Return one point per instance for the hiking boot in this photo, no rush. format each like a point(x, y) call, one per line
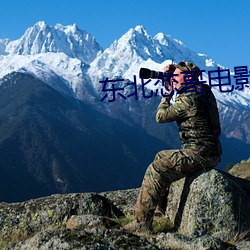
point(140, 227)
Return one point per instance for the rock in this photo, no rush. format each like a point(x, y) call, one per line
point(63, 239)
point(178, 241)
point(243, 245)
point(124, 199)
point(241, 169)
point(209, 210)
point(212, 202)
point(90, 221)
point(20, 220)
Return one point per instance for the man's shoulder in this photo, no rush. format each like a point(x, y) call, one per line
point(195, 90)
point(197, 95)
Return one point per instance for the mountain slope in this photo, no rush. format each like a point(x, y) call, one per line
point(65, 74)
point(52, 144)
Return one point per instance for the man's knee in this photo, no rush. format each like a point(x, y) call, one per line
point(162, 154)
point(162, 159)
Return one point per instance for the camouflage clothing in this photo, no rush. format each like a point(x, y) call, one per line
point(199, 128)
point(197, 118)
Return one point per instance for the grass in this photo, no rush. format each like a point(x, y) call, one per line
point(15, 236)
point(160, 223)
point(123, 220)
point(238, 237)
point(21, 234)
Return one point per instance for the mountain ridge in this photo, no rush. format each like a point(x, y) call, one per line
point(42, 38)
point(135, 49)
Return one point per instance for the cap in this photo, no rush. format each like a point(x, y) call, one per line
point(188, 66)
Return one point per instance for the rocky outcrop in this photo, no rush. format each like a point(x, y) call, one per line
point(211, 202)
point(241, 169)
point(209, 210)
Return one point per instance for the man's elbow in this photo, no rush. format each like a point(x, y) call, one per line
point(158, 118)
point(162, 117)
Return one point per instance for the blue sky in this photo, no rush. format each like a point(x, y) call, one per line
point(219, 28)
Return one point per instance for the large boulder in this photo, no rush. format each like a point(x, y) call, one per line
point(210, 202)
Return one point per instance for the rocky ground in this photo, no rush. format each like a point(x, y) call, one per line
point(208, 211)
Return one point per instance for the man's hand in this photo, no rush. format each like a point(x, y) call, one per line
point(169, 85)
point(166, 68)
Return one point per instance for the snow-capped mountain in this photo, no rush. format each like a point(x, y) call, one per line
point(58, 55)
point(41, 38)
point(137, 49)
point(73, 55)
point(71, 61)
point(64, 73)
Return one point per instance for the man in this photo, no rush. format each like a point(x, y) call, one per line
point(197, 117)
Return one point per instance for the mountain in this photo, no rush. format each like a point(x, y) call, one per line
point(137, 49)
point(41, 38)
point(68, 65)
point(56, 144)
point(65, 74)
point(53, 54)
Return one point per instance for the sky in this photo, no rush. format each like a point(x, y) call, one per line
point(217, 28)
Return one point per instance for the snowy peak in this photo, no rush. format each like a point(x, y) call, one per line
point(35, 40)
point(74, 31)
point(177, 51)
point(136, 48)
point(125, 54)
point(167, 40)
point(134, 33)
point(42, 38)
point(140, 43)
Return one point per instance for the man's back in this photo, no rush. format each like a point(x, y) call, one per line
point(199, 124)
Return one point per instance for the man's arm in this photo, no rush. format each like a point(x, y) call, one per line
point(165, 112)
point(183, 107)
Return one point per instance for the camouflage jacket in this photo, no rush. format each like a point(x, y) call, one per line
point(197, 118)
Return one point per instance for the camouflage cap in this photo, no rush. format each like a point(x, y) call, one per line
point(188, 66)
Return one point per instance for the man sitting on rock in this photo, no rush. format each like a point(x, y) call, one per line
point(197, 117)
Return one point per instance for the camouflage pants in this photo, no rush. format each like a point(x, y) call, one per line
point(167, 167)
